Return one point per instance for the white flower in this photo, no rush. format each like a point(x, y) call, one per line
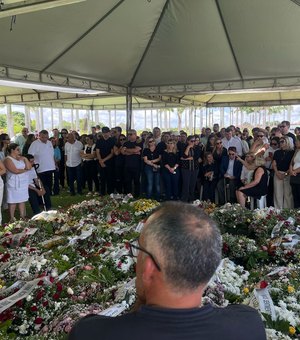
point(54, 273)
point(70, 291)
point(65, 258)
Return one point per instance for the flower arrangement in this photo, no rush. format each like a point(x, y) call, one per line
point(64, 265)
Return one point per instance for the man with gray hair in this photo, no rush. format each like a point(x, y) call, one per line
point(177, 253)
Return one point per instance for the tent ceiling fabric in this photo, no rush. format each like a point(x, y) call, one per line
point(185, 45)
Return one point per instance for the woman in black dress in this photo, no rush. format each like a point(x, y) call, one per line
point(119, 159)
point(258, 187)
point(210, 177)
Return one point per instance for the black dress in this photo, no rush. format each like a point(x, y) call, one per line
point(261, 189)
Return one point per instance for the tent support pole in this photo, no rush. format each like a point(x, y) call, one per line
point(128, 108)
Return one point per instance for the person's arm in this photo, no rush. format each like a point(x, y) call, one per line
point(12, 168)
point(277, 173)
point(116, 150)
point(2, 168)
point(109, 156)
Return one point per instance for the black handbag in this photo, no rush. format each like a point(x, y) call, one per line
point(295, 179)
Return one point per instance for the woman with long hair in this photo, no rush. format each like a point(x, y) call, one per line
point(219, 151)
point(170, 170)
point(189, 169)
point(210, 143)
point(89, 165)
point(256, 188)
point(119, 164)
point(283, 197)
point(30, 138)
point(16, 180)
point(152, 159)
point(294, 171)
point(210, 172)
point(4, 142)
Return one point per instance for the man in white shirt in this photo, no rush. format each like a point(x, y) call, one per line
point(229, 140)
point(43, 153)
point(73, 162)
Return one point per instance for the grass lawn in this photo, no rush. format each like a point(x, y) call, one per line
point(63, 200)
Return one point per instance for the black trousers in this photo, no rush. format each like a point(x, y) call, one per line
point(132, 175)
point(106, 180)
point(91, 174)
point(74, 173)
point(46, 178)
point(36, 201)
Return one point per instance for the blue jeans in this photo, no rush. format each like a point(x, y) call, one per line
point(75, 174)
point(153, 182)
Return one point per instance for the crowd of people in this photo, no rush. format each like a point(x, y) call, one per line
point(220, 165)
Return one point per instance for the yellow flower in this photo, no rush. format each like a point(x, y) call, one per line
point(291, 289)
point(246, 290)
point(292, 330)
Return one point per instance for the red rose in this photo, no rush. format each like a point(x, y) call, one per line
point(263, 284)
point(39, 294)
point(56, 296)
point(19, 303)
point(45, 303)
point(34, 308)
point(59, 287)
point(38, 321)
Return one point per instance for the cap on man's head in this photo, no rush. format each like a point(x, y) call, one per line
point(105, 129)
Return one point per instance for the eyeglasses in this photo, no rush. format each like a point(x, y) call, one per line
point(218, 143)
point(231, 154)
point(151, 141)
point(121, 139)
point(261, 136)
point(134, 251)
point(282, 141)
point(192, 140)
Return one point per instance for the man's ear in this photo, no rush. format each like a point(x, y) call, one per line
point(149, 271)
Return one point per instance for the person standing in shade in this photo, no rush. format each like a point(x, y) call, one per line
point(73, 149)
point(295, 174)
point(89, 166)
point(282, 158)
point(177, 254)
point(132, 150)
point(21, 138)
point(105, 153)
point(151, 157)
point(170, 170)
point(2, 172)
point(42, 151)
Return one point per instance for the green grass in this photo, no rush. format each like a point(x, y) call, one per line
point(63, 200)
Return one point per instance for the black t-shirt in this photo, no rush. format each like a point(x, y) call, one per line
point(161, 147)
point(235, 322)
point(133, 161)
point(283, 159)
point(151, 155)
point(169, 158)
point(105, 147)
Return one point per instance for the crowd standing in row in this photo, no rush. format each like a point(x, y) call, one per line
point(223, 165)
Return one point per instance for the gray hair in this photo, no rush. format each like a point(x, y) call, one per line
point(186, 242)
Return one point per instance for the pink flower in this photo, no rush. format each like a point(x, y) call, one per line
point(87, 267)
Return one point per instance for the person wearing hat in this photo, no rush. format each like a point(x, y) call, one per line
point(105, 152)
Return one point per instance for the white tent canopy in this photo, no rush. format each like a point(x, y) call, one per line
point(175, 52)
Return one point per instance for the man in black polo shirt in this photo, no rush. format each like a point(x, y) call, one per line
point(132, 150)
point(285, 130)
point(178, 252)
point(104, 152)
